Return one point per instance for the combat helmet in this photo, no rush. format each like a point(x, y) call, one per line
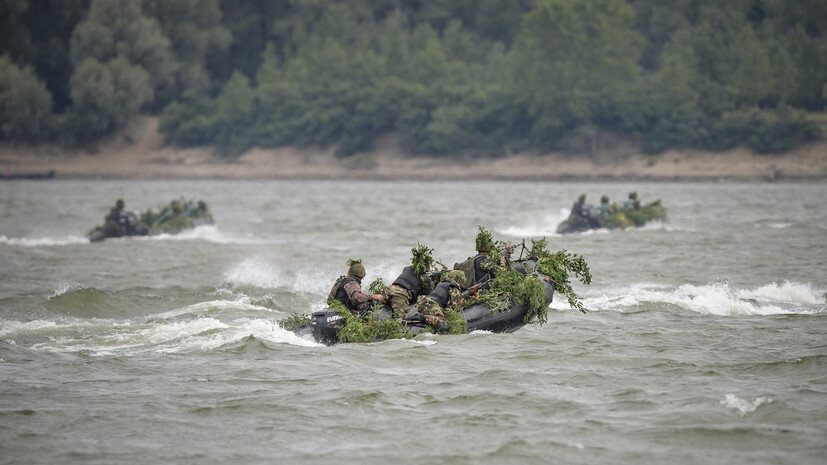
point(356, 269)
point(119, 204)
point(455, 276)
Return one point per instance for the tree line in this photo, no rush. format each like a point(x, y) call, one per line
point(455, 76)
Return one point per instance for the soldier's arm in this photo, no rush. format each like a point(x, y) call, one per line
point(355, 294)
point(490, 266)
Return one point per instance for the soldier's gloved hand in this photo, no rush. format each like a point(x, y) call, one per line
point(442, 326)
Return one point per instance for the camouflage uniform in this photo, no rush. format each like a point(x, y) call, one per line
point(348, 291)
point(444, 295)
point(406, 289)
point(489, 267)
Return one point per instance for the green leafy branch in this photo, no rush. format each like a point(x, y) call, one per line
point(559, 266)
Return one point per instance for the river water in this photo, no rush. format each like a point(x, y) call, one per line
point(706, 339)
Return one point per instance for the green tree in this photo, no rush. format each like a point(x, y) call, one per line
point(573, 59)
point(119, 29)
point(25, 103)
point(36, 33)
point(105, 96)
point(196, 33)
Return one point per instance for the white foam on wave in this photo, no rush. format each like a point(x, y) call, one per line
point(254, 272)
point(207, 232)
point(128, 338)
point(202, 308)
point(43, 241)
point(311, 283)
point(12, 327)
point(263, 273)
point(795, 293)
point(712, 299)
point(64, 288)
point(744, 406)
point(547, 226)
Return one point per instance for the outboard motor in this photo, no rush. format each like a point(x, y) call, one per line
point(325, 325)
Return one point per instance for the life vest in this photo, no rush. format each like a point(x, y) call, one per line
point(338, 293)
point(440, 293)
point(409, 281)
point(473, 272)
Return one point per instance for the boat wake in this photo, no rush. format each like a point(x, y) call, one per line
point(712, 299)
point(43, 241)
point(205, 326)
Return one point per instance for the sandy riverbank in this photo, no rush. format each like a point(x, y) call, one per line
point(140, 152)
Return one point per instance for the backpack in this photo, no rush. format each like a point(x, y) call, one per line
point(467, 267)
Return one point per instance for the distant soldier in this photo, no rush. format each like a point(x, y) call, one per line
point(445, 294)
point(112, 226)
point(348, 290)
point(605, 210)
point(577, 208)
point(632, 203)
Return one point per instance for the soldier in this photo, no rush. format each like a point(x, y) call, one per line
point(348, 290)
point(481, 267)
point(577, 208)
point(604, 207)
point(445, 294)
point(632, 203)
point(413, 282)
point(112, 222)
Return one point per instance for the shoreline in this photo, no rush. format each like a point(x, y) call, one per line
point(139, 152)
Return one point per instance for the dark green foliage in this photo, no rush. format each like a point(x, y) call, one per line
point(368, 328)
point(105, 96)
point(486, 77)
point(559, 266)
point(456, 323)
point(646, 213)
point(422, 261)
point(377, 286)
point(25, 103)
point(295, 321)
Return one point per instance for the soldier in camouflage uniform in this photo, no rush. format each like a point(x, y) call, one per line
point(445, 294)
point(480, 268)
point(348, 290)
point(413, 282)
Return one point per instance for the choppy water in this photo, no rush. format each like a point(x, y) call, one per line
point(706, 341)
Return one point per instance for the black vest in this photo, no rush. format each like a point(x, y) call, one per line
point(338, 293)
point(440, 294)
point(480, 275)
point(409, 281)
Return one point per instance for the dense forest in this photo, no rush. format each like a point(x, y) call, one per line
point(453, 76)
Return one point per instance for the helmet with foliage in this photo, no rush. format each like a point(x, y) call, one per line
point(119, 204)
point(582, 197)
point(632, 195)
point(455, 276)
point(421, 261)
point(484, 241)
point(356, 269)
point(604, 199)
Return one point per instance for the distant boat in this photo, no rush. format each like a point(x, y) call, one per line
point(47, 175)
